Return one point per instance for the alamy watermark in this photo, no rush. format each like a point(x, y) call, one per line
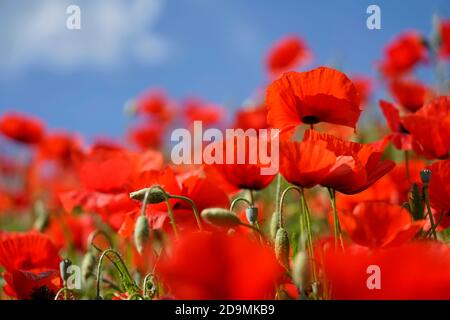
point(73, 21)
point(373, 22)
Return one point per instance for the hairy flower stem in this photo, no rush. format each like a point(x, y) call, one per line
point(337, 224)
point(430, 215)
point(252, 198)
point(278, 193)
point(236, 200)
point(127, 280)
point(194, 208)
point(307, 217)
point(144, 203)
point(171, 217)
point(280, 209)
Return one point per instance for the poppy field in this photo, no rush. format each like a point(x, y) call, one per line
point(358, 206)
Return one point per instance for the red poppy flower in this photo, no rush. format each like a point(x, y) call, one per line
point(147, 136)
point(204, 193)
point(198, 110)
point(155, 103)
point(69, 230)
point(21, 128)
point(392, 188)
point(245, 169)
point(445, 38)
point(233, 267)
point(305, 163)
point(403, 54)
point(287, 54)
point(411, 271)
point(107, 178)
point(364, 86)
point(253, 118)
point(379, 224)
point(399, 137)
point(411, 95)
point(439, 188)
point(430, 128)
point(357, 165)
point(319, 95)
point(31, 264)
point(59, 146)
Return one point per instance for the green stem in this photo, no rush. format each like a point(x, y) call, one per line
point(253, 228)
point(337, 224)
point(280, 209)
point(124, 276)
point(236, 200)
point(307, 216)
point(278, 193)
point(64, 291)
point(407, 166)
point(144, 203)
point(194, 208)
point(171, 217)
point(430, 215)
point(94, 235)
point(252, 198)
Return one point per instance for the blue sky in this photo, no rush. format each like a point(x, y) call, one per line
point(80, 80)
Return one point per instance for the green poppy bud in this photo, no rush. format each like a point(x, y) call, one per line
point(252, 214)
point(300, 269)
point(141, 233)
point(88, 265)
point(220, 217)
point(425, 176)
point(156, 194)
point(282, 247)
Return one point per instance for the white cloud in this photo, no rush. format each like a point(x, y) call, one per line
point(112, 33)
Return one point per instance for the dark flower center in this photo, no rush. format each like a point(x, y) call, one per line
point(42, 293)
point(310, 120)
point(402, 129)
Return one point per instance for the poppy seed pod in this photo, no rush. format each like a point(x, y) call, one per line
point(88, 265)
point(63, 266)
point(425, 176)
point(155, 194)
point(220, 217)
point(252, 214)
point(282, 247)
point(141, 233)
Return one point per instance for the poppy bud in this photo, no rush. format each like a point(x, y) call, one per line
point(300, 269)
point(141, 233)
point(282, 247)
point(88, 265)
point(220, 217)
point(63, 266)
point(274, 224)
point(425, 176)
point(155, 195)
point(252, 214)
